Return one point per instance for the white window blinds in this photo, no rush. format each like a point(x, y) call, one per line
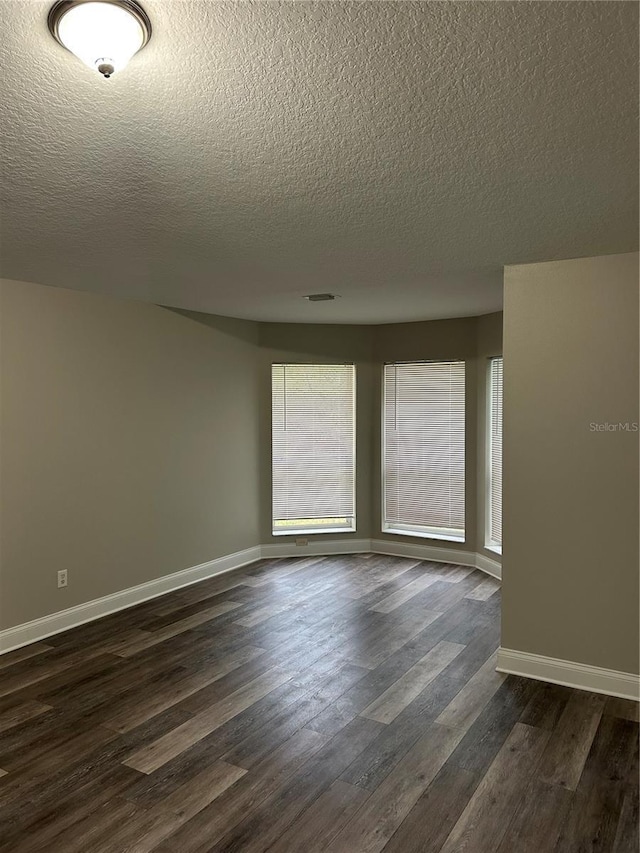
point(494, 456)
point(313, 447)
point(423, 454)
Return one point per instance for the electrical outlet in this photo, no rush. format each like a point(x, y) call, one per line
point(300, 540)
point(63, 578)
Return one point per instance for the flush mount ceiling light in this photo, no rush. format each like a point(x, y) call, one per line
point(104, 34)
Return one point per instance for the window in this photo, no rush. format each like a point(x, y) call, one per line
point(313, 446)
point(423, 452)
point(493, 538)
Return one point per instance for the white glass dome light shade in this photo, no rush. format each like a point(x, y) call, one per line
point(104, 34)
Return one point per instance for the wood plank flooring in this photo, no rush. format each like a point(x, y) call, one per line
point(338, 704)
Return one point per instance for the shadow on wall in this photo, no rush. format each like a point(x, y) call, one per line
point(244, 330)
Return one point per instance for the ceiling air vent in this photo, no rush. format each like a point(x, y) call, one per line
point(321, 297)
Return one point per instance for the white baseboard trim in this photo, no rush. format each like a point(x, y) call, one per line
point(316, 548)
point(570, 674)
point(423, 552)
point(47, 626)
point(438, 555)
point(489, 566)
point(390, 547)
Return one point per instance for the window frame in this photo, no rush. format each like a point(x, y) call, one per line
point(489, 543)
point(311, 529)
point(398, 529)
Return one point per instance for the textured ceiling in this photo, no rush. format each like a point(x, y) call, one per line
point(397, 154)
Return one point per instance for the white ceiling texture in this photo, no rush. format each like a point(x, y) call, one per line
point(395, 153)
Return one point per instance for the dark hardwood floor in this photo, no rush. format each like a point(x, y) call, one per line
point(340, 704)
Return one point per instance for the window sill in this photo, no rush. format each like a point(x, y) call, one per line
point(496, 549)
point(312, 531)
point(442, 537)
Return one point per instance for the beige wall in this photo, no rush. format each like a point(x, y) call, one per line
point(570, 580)
point(129, 445)
point(135, 440)
point(472, 339)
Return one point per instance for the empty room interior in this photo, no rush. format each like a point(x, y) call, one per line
point(319, 412)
